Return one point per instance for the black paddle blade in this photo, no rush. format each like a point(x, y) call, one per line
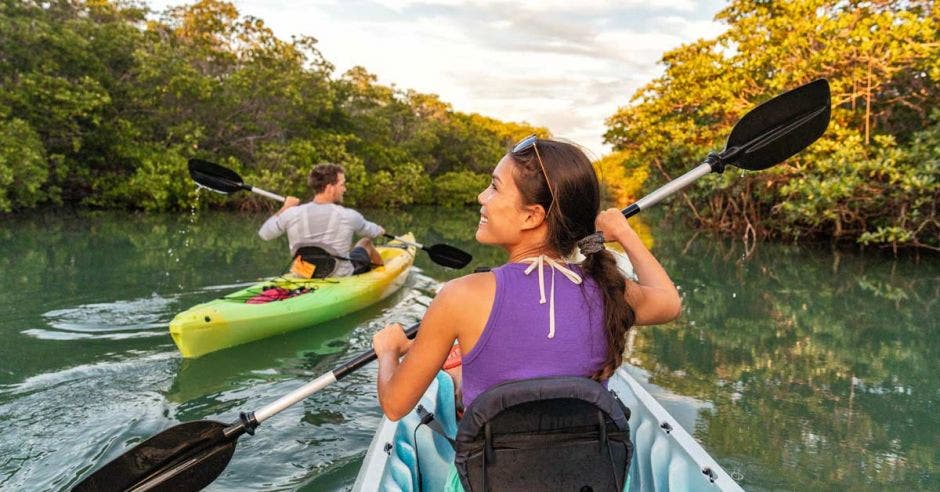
point(187, 456)
point(779, 128)
point(214, 176)
point(449, 256)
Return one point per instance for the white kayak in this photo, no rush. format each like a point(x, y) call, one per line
point(665, 456)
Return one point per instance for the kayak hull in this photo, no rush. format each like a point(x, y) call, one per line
point(230, 321)
point(662, 460)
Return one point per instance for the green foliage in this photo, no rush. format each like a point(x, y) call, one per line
point(159, 180)
point(22, 166)
point(882, 193)
point(458, 189)
point(406, 185)
point(872, 178)
point(621, 179)
point(110, 105)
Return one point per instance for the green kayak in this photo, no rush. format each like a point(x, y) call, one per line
point(235, 319)
point(665, 457)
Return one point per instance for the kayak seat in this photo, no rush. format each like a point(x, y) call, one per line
point(559, 433)
point(323, 262)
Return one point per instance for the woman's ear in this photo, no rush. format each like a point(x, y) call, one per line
point(534, 216)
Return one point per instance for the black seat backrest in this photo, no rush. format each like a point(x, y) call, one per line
point(566, 433)
point(319, 257)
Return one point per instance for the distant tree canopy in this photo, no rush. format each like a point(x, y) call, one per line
point(102, 104)
point(873, 178)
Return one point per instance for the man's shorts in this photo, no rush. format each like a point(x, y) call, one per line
point(360, 260)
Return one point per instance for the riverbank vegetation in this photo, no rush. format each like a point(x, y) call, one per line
point(103, 102)
point(873, 178)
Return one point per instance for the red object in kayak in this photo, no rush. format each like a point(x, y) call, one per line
point(454, 358)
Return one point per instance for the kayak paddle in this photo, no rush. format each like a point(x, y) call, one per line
point(224, 180)
point(189, 456)
point(442, 254)
point(765, 136)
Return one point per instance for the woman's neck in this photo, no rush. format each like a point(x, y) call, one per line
point(521, 252)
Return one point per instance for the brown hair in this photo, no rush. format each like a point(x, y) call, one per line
point(577, 192)
point(323, 175)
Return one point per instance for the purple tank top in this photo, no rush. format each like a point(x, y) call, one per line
point(515, 344)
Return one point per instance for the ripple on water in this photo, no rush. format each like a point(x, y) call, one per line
point(87, 372)
point(118, 320)
point(63, 430)
point(66, 423)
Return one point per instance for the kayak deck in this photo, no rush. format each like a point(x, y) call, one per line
point(231, 321)
point(665, 456)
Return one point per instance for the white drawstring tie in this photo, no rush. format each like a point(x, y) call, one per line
point(539, 261)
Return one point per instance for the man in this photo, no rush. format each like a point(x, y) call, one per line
point(324, 223)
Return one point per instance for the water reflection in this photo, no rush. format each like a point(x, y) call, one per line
point(821, 367)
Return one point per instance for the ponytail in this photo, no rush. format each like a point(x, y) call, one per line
point(618, 315)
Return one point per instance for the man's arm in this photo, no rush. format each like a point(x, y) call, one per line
point(363, 227)
point(272, 227)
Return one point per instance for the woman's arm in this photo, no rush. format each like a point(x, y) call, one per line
point(402, 382)
point(653, 297)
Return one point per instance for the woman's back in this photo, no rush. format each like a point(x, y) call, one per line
point(517, 342)
point(542, 201)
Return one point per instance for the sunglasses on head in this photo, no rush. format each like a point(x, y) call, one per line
point(525, 144)
point(530, 143)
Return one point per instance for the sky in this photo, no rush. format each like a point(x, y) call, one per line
point(561, 64)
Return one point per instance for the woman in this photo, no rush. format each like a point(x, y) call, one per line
point(538, 315)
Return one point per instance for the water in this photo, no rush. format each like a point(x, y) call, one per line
point(795, 368)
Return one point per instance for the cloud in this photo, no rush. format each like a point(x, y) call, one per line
point(593, 7)
point(568, 105)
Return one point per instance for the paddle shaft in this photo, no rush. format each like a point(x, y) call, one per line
point(321, 382)
point(265, 193)
point(409, 243)
point(667, 189)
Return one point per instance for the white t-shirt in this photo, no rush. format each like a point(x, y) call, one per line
point(327, 225)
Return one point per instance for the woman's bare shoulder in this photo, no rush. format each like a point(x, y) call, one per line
point(461, 308)
point(464, 296)
point(469, 288)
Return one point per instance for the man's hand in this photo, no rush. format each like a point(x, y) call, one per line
point(289, 202)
